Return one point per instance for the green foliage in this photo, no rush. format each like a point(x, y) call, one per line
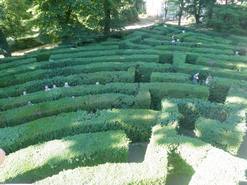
point(193, 108)
point(221, 135)
point(136, 123)
point(218, 92)
point(13, 14)
point(55, 94)
point(174, 90)
point(170, 77)
point(229, 18)
point(89, 102)
point(70, 152)
point(123, 173)
point(73, 80)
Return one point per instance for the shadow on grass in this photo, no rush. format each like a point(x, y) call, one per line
point(75, 152)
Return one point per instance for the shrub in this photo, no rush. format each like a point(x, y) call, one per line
point(73, 80)
point(116, 58)
point(174, 90)
point(191, 59)
point(17, 63)
point(89, 102)
point(170, 77)
point(190, 115)
point(152, 171)
point(96, 47)
point(136, 123)
point(218, 92)
point(55, 94)
point(70, 152)
point(221, 135)
point(99, 53)
point(192, 109)
point(215, 72)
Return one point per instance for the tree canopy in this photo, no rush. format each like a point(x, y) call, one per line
point(58, 20)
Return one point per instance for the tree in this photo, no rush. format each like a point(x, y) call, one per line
point(58, 19)
point(181, 8)
point(12, 24)
point(195, 7)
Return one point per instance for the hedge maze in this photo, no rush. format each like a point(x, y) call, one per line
point(68, 115)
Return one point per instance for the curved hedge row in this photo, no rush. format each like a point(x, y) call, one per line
point(116, 58)
point(157, 57)
point(136, 123)
point(39, 161)
point(29, 74)
point(159, 91)
point(55, 94)
point(90, 102)
point(18, 63)
point(73, 80)
point(152, 171)
point(216, 72)
point(170, 77)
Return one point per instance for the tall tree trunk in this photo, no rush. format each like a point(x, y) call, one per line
point(180, 18)
point(197, 13)
point(181, 10)
point(4, 44)
point(197, 17)
point(107, 18)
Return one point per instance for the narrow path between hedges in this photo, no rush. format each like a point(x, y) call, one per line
point(242, 153)
point(137, 152)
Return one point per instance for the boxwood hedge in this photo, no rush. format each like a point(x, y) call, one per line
point(89, 102)
point(73, 80)
point(136, 123)
point(55, 94)
point(39, 161)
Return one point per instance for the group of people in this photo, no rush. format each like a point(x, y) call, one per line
point(196, 79)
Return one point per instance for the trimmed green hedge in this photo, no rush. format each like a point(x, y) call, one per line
point(129, 45)
point(18, 75)
point(39, 161)
point(90, 102)
point(101, 53)
point(13, 59)
point(216, 72)
point(170, 77)
point(192, 109)
point(18, 63)
point(194, 50)
point(116, 58)
point(55, 94)
point(141, 56)
point(20, 69)
point(221, 135)
point(204, 61)
point(73, 80)
point(95, 47)
point(66, 71)
point(136, 123)
point(174, 90)
point(152, 171)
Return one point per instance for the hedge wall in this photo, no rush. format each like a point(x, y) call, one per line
point(152, 171)
point(39, 161)
point(136, 123)
point(73, 80)
point(90, 102)
point(55, 94)
point(174, 90)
